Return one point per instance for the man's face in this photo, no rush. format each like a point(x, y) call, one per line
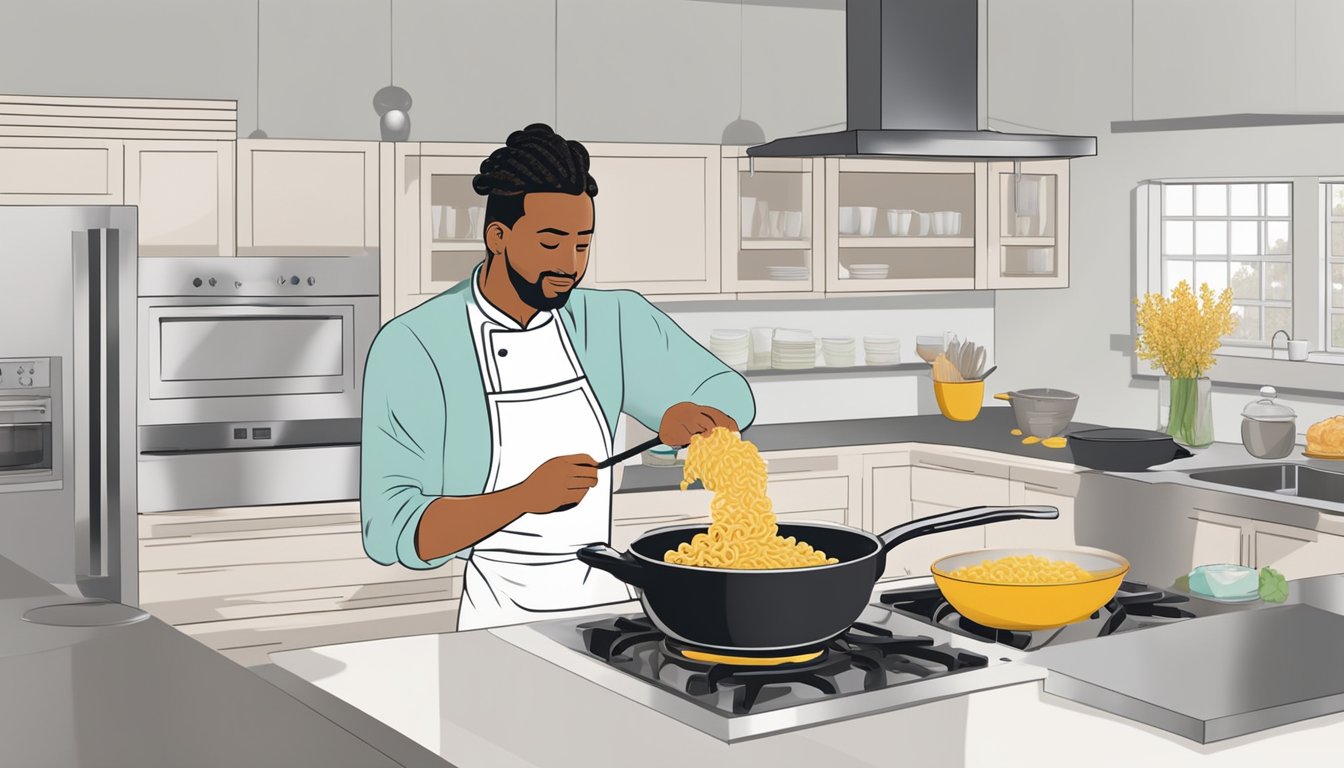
point(546, 250)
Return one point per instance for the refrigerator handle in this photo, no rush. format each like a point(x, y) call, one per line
point(97, 476)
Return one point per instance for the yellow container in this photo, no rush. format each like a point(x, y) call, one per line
point(1031, 606)
point(960, 400)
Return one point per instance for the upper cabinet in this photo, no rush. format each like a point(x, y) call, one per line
point(658, 218)
point(59, 171)
point(1028, 242)
point(184, 192)
point(310, 198)
point(773, 239)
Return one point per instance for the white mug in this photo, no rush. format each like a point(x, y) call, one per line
point(849, 220)
point(898, 221)
point(476, 216)
point(1297, 349)
point(954, 222)
point(762, 219)
point(777, 224)
point(793, 224)
point(867, 220)
point(748, 212)
point(940, 222)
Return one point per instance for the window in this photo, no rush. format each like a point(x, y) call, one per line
point(1334, 268)
point(1236, 235)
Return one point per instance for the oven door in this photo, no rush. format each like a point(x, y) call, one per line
point(27, 441)
point(225, 360)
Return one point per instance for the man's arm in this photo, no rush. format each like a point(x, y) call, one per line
point(663, 366)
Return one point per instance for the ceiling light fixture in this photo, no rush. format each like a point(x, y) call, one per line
point(257, 133)
point(392, 103)
point(741, 131)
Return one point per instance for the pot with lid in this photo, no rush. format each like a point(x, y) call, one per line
point(1268, 429)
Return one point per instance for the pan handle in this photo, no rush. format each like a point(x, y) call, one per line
point(961, 518)
point(1003, 396)
point(1181, 453)
point(622, 566)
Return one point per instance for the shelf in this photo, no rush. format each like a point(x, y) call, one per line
point(822, 370)
point(1030, 241)
point(765, 244)
point(935, 241)
point(457, 245)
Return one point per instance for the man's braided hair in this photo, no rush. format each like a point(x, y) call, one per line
point(535, 159)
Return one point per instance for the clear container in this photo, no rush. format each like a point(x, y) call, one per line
point(1268, 429)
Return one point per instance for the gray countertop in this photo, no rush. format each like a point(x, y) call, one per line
point(991, 431)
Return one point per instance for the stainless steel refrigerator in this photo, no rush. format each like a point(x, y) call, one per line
point(67, 396)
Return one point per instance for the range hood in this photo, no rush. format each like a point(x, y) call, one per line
point(913, 91)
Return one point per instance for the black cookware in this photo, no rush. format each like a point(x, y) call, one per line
point(773, 612)
point(1124, 450)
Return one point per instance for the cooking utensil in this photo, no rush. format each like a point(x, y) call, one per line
point(773, 612)
point(1268, 429)
point(985, 375)
point(953, 354)
point(978, 364)
point(1031, 606)
point(653, 442)
point(1041, 412)
point(944, 370)
point(1124, 450)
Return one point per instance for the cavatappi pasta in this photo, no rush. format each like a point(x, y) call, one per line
point(1026, 569)
point(743, 533)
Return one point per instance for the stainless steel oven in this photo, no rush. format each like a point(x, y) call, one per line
point(250, 378)
point(30, 428)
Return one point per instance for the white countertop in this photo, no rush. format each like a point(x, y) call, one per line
point(477, 700)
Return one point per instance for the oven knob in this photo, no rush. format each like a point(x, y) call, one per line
point(312, 281)
point(196, 282)
point(212, 282)
point(237, 284)
point(282, 280)
point(294, 280)
point(25, 381)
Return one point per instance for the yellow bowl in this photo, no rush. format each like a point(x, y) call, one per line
point(1031, 606)
point(960, 400)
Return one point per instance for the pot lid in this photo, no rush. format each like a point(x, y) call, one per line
point(1265, 409)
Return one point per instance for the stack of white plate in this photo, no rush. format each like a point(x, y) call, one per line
point(881, 350)
point(869, 271)
point(731, 345)
point(793, 349)
point(786, 273)
point(838, 351)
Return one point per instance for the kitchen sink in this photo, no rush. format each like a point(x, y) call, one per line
point(1287, 479)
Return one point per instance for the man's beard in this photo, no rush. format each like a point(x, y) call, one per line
point(532, 294)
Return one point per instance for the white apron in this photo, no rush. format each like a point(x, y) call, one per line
point(541, 406)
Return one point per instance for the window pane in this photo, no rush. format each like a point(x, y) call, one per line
point(1278, 199)
point(1211, 200)
point(1245, 238)
point(1244, 199)
point(1180, 239)
point(1279, 281)
point(1337, 238)
point(1211, 238)
point(1337, 199)
point(1337, 286)
point(1337, 331)
point(1176, 200)
point(1176, 272)
point(1212, 272)
point(1278, 319)
point(1248, 325)
point(1277, 238)
point(1246, 280)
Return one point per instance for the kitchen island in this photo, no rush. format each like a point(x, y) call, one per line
point(477, 700)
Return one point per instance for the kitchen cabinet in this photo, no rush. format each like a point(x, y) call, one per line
point(773, 242)
point(1297, 553)
point(184, 192)
point(1027, 243)
point(886, 502)
point(1057, 533)
point(903, 225)
point(1218, 539)
point(60, 171)
point(658, 218)
point(307, 198)
point(451, 221)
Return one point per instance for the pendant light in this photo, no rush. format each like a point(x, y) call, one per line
point(392, 103)
point(741, 131)
point(257, 133)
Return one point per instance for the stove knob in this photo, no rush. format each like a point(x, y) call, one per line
point(237, 284)
point(25, 381)
point(282, 280)
point(196, 282)
point(294, 280)
point(312, 281)
point(212, 282)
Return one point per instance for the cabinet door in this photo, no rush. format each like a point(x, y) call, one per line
point(658, 213)
point(1028, 233)
point(1040, 534)
point(914, 557)
point(1297, 552)
point(955, 489)
point(307, 198)
point(60, 171)
point(1217, 541)
point(184, 190)
point(887, 494)
point(773, 241)
point(451, 219)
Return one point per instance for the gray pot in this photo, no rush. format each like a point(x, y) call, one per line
point(1041, 412)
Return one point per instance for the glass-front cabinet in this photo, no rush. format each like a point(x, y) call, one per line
point(771, 241)
point(897, 225)
point(1028, 245)
point(451, 222)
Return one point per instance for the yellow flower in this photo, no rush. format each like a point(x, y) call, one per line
point(1181, 334)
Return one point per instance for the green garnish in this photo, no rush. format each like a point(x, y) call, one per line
point(1273, 587)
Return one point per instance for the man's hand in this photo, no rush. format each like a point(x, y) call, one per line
point(686, 419)
point(558, 484)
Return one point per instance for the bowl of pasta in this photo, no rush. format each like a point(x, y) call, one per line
point(749, 587)
point(1028, 589)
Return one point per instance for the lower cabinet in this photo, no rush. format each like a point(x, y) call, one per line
point(1297, 553)
point(1057, 533)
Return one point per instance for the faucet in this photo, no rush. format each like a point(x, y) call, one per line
point(1272, 339)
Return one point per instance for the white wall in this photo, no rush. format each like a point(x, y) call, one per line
point(1064, 66)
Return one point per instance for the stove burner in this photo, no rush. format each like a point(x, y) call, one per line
point(882, 657)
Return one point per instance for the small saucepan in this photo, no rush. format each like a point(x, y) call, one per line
point(780, 612)
point(1041, 412)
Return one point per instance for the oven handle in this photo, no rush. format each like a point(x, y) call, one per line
point(23, 406)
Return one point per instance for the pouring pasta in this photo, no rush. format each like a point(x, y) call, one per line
point(743, 533)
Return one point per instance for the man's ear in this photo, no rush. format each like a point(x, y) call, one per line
point(496, 238)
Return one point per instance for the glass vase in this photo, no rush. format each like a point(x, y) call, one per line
point(1189, 410)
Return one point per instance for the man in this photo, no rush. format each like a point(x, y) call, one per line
point(488, 407)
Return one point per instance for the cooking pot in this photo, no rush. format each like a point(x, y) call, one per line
point(1124, 450)
point(773, 612)
point(1041, 412)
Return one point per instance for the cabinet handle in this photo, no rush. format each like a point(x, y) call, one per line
point(944, 466)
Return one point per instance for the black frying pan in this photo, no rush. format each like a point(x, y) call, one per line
point(780, 611)
point(1124, 450)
